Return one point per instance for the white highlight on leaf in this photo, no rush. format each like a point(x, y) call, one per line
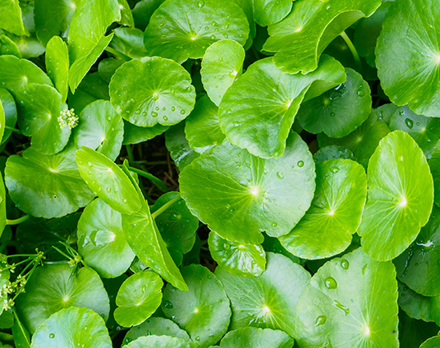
point(66, 298)
point(403, 202)
point(266, 309)
point(254, 190)
point(331, 212)
point(196, 310)
point(366, 330)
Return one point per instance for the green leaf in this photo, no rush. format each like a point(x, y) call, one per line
point(203, 311)
point(166, 96)
point(46, 186)
point(135, 135)
point(92, 87)
point(100, 128)
point(3, 204)
point(17, 73)
point(351, 302)
point(400, 197)
point(363, 141)
point(178, 146)
point(145, 240)
point(245, 260)
point(419, 306)
point(108, 181)
point(126, 15)
point(273, 245)
point(305, 33)
point(332, 152)
point(176, 224)
point(424, 130)
point(201, 127)
point(72, 327)
point(54, 287)
point(8, 47)
point(267, 12)
point(57, 65)
point(107, 68)
point(29, 46)
point(21, 334)
point(10, 110)
point(408, 56)
point(130, 42)
point(418, 266)
point(185, 29)
point(11, 17)
point(222, 64)
point(155, 326)
point(433, 342)
point(138, 297)
point(434, 164)
point(161, 342)
point(385, 112)
point(143, 10)
point(256, 338)
point(339, 111)
point(39, 107)
point(53, 18)
point(258, 111)
point(335, 213)
point(101, 241)
point(238, 195)
point(269, 300)
point(7, 319)
point(413, 332)
point(86, 35)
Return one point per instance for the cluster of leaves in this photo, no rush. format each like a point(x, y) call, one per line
point(234, 173)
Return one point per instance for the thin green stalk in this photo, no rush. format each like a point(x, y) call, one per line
point(118, 54)
point(165, 207)
point(17, 221)
point(13, 129)
point(353, 50)
point(130, 153)
point(159, 183)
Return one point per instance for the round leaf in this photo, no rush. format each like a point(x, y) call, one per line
point(408, 56)
point(10, 110)
point(57, 65)
point(258, 111)
point(129, 41)
point(221, 65)
point(166, 96)
point(135, 135)
point(400, 197)
point(239, 195)
point(203, 311)
point(269, 300)
point(351, 302)
point(246, 260)
point(363, 141)
point(100, 128)
point(17, 73)
point(433, 342)
point(267, 12)
point(39, 107)
point(176, 224)
point(184, 29)
point(424, 130)
point(108, 181)
point(312, 25)
point(72, 328)
point(92, 87)
point(178, 146)
point(161, 342)
point(201, 127)
point(145, 240)
point(101, 241)
point(339, 111)
point(335, 213)
point(256, 338)
point(11, 18)
point(138, 297)
point(155, 326)
point(419, 267)
point(46, 186)
point(8, 47)
point(54, 287)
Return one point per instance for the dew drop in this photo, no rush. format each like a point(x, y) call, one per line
point(226, 246)
point(330, 283)
point(226, 35)
point(109, 189)
point(154, 114)
point(138, 111)
point(344, 264)
point(182, 112)
point(300, 164)
point(173, 108)
point(168, 305)
point(89, 164)
point(360, 92)
point(51, 335)
point(320, 320)
point(409, 123)
point(144, 288)
point(280, 175)
point(346, 310)
point(332, 114)
point(274, 224)
point(212, 37)
point(201, 3)
point(334, 170)
point(165, 118)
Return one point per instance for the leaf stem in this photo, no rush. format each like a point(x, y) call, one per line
point(159, 183)
point(118, 54)
point(17, 221)
point(353, 50)
point(13, 129)
point(129, 153)
point(165, 207)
